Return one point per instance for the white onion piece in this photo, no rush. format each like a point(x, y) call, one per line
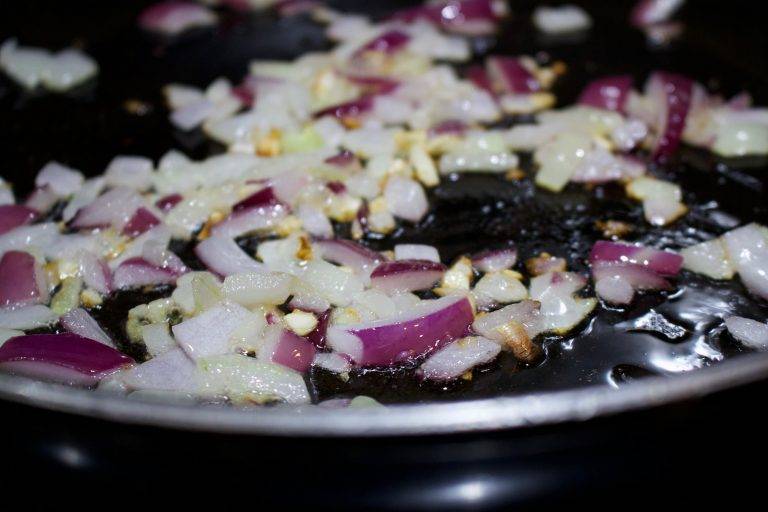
point(495, 260)
point(171, 371)
point(751, 333)
point(747, 248)
point(458, 357)
point(406, 275)
point(559, 158)
point(133, 172)
point(24, 65)
point(331, 282)
point(31, 67)
point(80, 322)
point(250, 220)
point(6, 334)
point(256, 288)
point(332, 362)
point(25, 238)
point(600, 166)
point(27, 317)
point(314, 221)
point(60, 179)
point(350, 254)
point(192, 115)
point(416, 252)
point(561, 19)
point(113, 208)
point(406, 198)
point(224, 257)
point(157, 339)
point(708, 258)
point(498, 288)
point(68, 68)
point(87, 193)
point(209, 333)
point(614, 289)
point(477, 162)
point(514, 327)
point(651, 12)
point(137, 272)
point(41, 199)
point(245, 379)
point(173, 17)
point(560, 310)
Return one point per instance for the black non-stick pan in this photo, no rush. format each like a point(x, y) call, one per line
point(600, 419)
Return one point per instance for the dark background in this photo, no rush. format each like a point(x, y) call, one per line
point(693, 453)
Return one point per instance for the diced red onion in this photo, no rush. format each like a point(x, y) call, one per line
point(349, 110)
point(495, 260)
point(751, 333)
point(416, 252)
point(332, 362)
point(15, 215)
point(609, 93)
point(113, 208)
point(22, 280)
point(143, 220)
point(134, 172)
point(318, 336)
point(170, 371)
point(514, 326)
point(64, 358)
point(25, 237)
point(260, 199)
point(471, 17)
point(747, 248)
point(27, 317)
point(288, 185)
point(314, 221)
point(79, 322)
point(664, 263)
point(42, 199)
point(672, 94)
point(350, 254)
point(288, 349)
point(173, 17)
point(209, 333)
point(248, 220)
point(137, 272)
point(345, 158)
point(388, 43)
point(166, 203)
point(458, 357)
point(406, 275)
point(479, 76)
point(224, 257)
point(638, 276)
point(95, 272)
point(61, 180)
point(406, 198)
point(449, 127)
point(651, 12)
point(614, 289)
point(374, 85)
point(425, 327)
point(509, 75)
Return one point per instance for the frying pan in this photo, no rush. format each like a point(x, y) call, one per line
point(548, 441)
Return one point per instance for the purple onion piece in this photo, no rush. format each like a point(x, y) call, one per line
point(406, 275)
point(349, 110)
point(294, 352)
point(167, 203)
point(349, 253)
point(15, 215)
point(318, 336)
point(495, 260)
point(674, 94)
point(389, 42)
point(65, 358)
point(508, 75)
point(21, 282)
point(609, 93)
point(664, 263)
point(143, 220)
point(224, 257)
point(137, 272)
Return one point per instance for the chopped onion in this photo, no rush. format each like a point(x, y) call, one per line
point(664, 263)
point(406, 198)
point(406, 275)
point(672, 94)
point(514, 327)
point(315, 221)
point(247, 220)
point(157, 338)
point(61, 180)
point(26, 238)
point(651, 12)
point(331, 282)
point(224, 257)
point(458, 357)
point(609, 93)
point(64, 358)
point(561, 19)
point(751, 333)
point(170, 371)
point(209, 333)
point(388, 43)
point(79, 322)
point(509, 75)
point(173, 17)
point(350, 254)
point(113, 208)
point(416, 252)
point(245, 379)
point(560, 309)
point(142, 220)
point(496, 288)
point(425, 327)
point(27, 317)
point(286, 348)
point(133, 172)
point(254, 288)
point(747, 248)
point(708, 258)
point(15, 215)
point(137, 272)
point(332, 362)
point(495, 260)
point(42, 199)
point(22, 280)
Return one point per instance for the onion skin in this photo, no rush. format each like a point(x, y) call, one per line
point(608, 93)
point(386, 342)
point(19, 283)
point(15, 215)
point(407, 275)
point(65, 358)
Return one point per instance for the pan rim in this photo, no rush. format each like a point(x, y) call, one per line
point(467, 416)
